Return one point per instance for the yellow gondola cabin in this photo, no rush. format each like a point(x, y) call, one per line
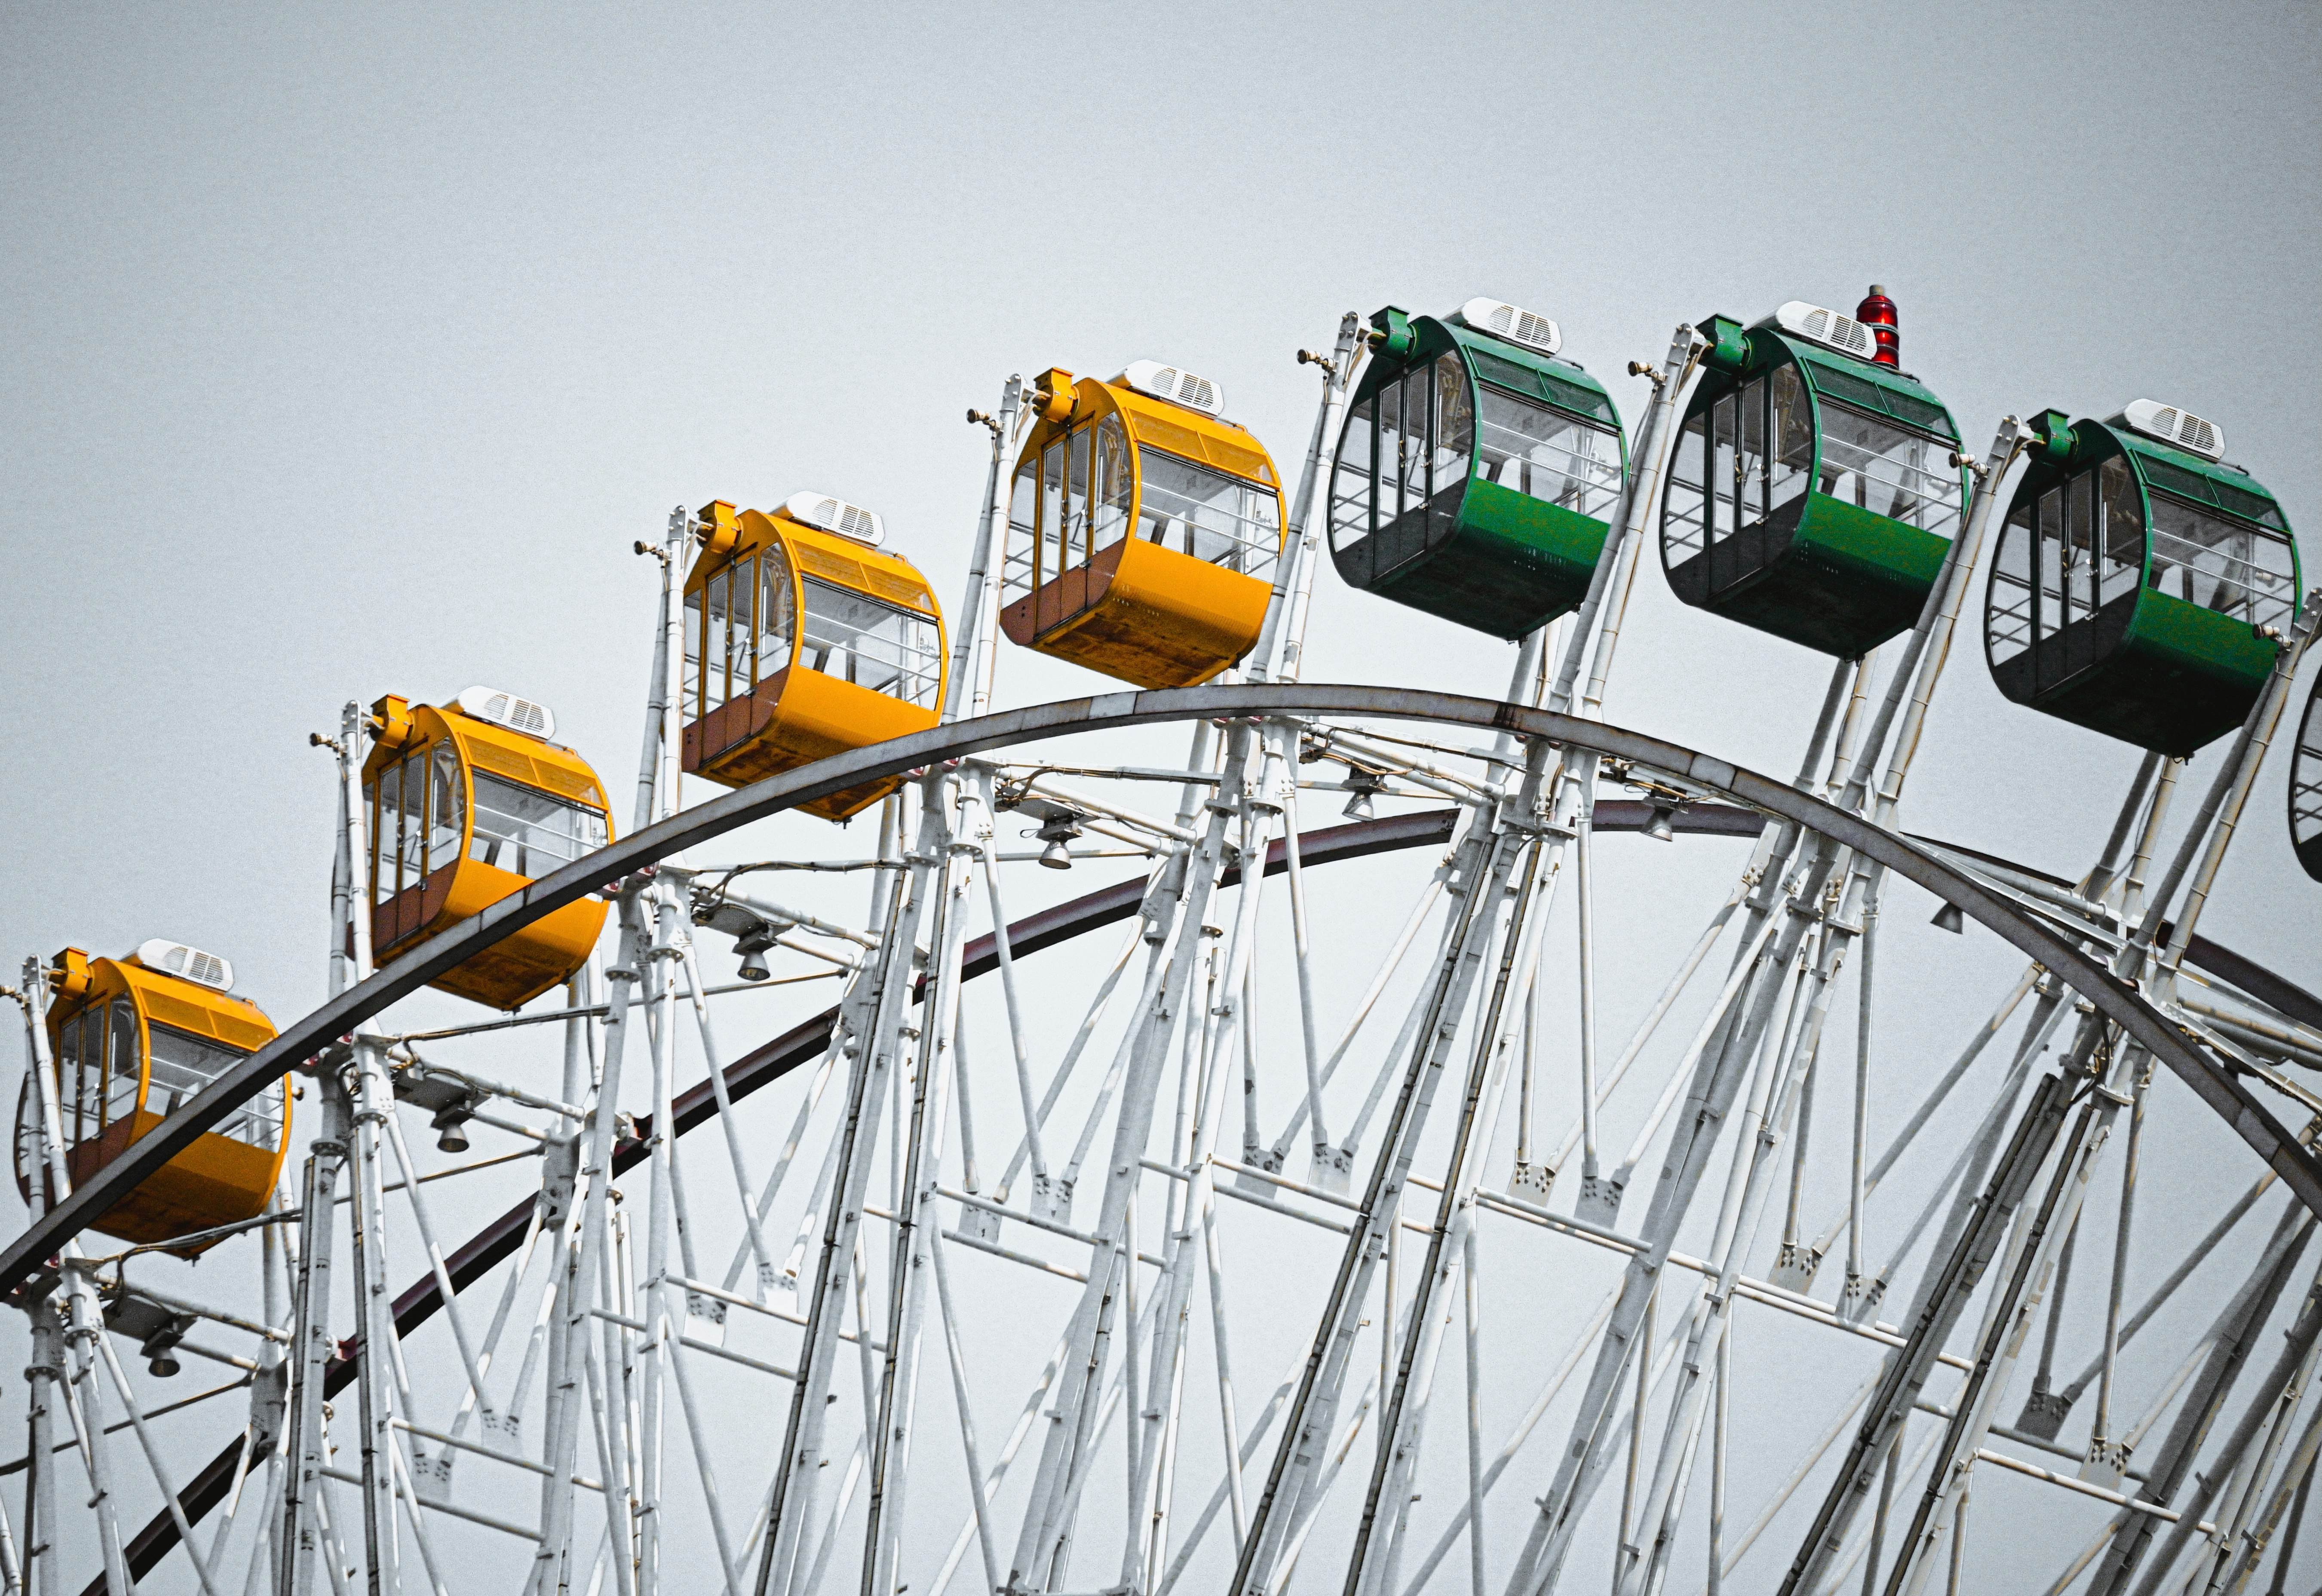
point(468, 802)
point(1143, 528)
point(131, 1039)
point(804, 639)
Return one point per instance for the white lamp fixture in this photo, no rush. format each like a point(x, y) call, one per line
point(1177, 386)
point(1517, 326)
point(505, 708)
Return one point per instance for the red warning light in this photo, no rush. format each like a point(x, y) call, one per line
point(1878, 314)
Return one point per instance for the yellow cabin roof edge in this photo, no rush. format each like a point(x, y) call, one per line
point(457, 722)
point(758, 528)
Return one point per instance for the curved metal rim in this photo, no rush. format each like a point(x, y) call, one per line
point(2120, 1001)
point(803, 1042)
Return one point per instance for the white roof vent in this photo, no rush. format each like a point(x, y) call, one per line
point(1516, 326)
point(2172, 425)
point(1827, 328)
point(207, 969)
point(505, 708)
point(835, 515)
point(1179, 388)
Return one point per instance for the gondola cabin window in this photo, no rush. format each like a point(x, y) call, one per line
point(1409, 443)
point(804, 639)
point(182, 1064)
point(1074, 504)
point(1218, 519)
point(1070, 504)
point(1751, 452)
point(1544, 454)
point(2089, 551)
point(738, 630)
point(418, 809)
point(97, 1059)
point(2138, 590)
point(467, 801)
point(1877, 466)
point(528, 831)
point(2069, 551)
point(886, 648)
point(1747, 455)
point(1814, 491)
point(1475, 476)
point(2231, 567)
point(1143, 531)
point(132, 1040)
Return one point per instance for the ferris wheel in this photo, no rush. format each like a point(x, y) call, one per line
point(1216, 1150)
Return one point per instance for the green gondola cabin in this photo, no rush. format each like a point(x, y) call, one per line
point(2141, 583)
point(2306, 787)
point(1476, 474)
point(1815, 489)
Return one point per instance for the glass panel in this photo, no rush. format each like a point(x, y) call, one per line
point(776, 619)
point(1879, 467)
point(2205, 489)
point(1076, 502)
point(84, 1043)
point(1454, 425)
point(1720, 469)
point(1418, 410)
point(1108, 522)
point(258, 1122)
point(379, 894)
point(447, 805)
point(1209, 515)
point(528, 831)
point(184, 1063)
point(717, 613)
point(1750, 457)
point(2080, 522)
point(1051, 514)
point(412, 824)
point(1681, 529)
point(386, 839)
point(2050, 612)
point(742, 591)
point(2228, 566)
point(2123, 532)
point(1391, 450)
point(387, 836)
point(2007, 620)
point(690, 680)
point(1352, 482)
point(78, 1076)
point(121, 1062)
point(872, 645)
point(1792, 429)
point(1546, 454)
point(1016, 578)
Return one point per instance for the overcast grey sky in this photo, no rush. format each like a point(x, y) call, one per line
point(345, 351)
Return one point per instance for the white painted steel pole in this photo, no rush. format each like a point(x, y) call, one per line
point(975, 651)
point(1680, 368)
point(919, 1151)
point(376, 1406)
point(1282, 640)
